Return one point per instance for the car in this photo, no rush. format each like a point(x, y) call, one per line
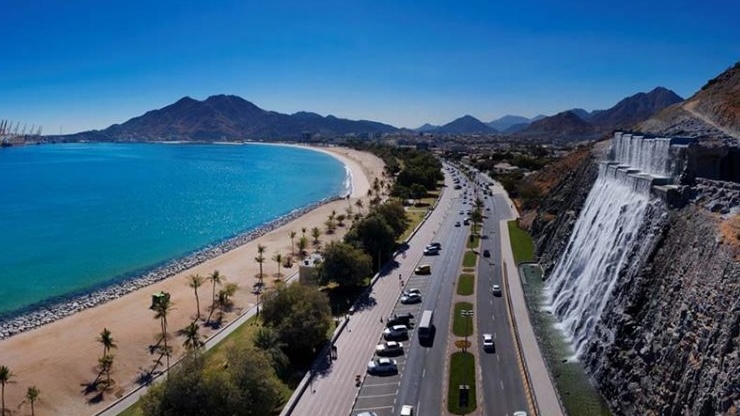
point(488, 342)
point(435, 244)
point(367, 414)
point(461, 212)
point(389, 348)
point(519, 413)
point(382, 366)
point(486, 253)
point(400, 319)
point(466, 221)
point(411, 298)
point(407, 410)
point(395, 332)
point(488, 208)
point(423, 269)
point(431, 251)
point(412, 290)
point(457, 223)
point(496, 290)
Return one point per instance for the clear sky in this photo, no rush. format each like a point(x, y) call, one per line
point(80, 64)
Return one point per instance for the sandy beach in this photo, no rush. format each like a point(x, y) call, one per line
point(60, 357)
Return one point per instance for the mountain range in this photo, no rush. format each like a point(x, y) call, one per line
point(229, 117)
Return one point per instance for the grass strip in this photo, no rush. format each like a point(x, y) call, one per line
point(466, 284)
point(462, 325)
point(462, 372)
point(521, 243)
point(469, 259)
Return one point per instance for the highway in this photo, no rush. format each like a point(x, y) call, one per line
point(502, 384)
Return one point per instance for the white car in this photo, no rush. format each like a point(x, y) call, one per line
point(412, 290)
point(396, 331)
point(407, 410)
point(496, 290)
point(520, 413)
point(488, 342)
point(431, 251)
point(389, 348)
point(410, 298)
point(382, 366)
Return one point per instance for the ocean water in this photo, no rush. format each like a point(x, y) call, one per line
point(75, 216)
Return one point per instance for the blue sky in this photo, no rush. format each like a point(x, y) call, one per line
point(75, 65)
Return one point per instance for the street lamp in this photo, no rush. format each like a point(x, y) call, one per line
point(466, 313)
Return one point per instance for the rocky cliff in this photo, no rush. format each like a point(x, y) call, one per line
point(668, 341)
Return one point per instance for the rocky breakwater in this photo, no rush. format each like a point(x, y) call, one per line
point(670, 342)
point(50, 311)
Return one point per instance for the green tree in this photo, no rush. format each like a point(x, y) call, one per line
point(268, 340)
point(216, 279)
point(224, 296)
point(340, 219)
point(394, 215)
point(251, 374)
point(302, 246)
point(278, 258)
point(300, 313)
point(316, 233)
point(106, 365)
point(292, 243)
point(345, 265)
point(373, 235)
point(195, 281)
point(6, 377)
point(192, 337)
point(260, 259)
point(32, 394)
point(106, 340)
point(417, 191)
point(162, 308)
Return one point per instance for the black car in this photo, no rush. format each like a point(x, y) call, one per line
point(400, 319)
point(486, 253)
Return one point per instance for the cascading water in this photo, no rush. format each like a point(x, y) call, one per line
point(606, 231)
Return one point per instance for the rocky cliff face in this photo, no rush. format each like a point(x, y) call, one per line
point(669, 339)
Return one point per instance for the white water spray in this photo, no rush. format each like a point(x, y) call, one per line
point(606, 231)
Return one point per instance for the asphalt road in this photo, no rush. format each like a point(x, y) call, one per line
point(501, 379)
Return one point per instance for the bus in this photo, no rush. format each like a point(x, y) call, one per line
point(426, 326)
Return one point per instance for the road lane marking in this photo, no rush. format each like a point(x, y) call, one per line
point(376, 395)
point(502, 384)
point(371, 408)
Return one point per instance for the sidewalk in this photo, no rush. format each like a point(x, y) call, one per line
point(547, 401)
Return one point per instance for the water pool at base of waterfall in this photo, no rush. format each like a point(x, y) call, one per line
point(578, 394)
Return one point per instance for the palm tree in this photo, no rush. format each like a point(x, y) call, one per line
point(224, 295)
point(359, 204)
point(260, 258)
point(292, 246)
point(302, 245)
point(107, 341)
point(195, 281)
point(5, 376)
point(162, 308)
point(32, 394)
point(316, 233)
point(278, 259)
point(303, 231)
point(268, 340)
point(106, 364)
point(216, 279)
point(192, 337)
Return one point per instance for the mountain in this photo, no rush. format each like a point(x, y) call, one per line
point(228, 117)
point(634, 109)
point(465, 125)
point(503, 123)
point(516, 128)
point(426, 128)
point(712, 111)
point(581, 113)
point(565, 125)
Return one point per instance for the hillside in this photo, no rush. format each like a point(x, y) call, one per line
point(713, 111)
point(565, 125)
point(634, 109)
point(505, 122)
point(465, 125)
point(228, 117)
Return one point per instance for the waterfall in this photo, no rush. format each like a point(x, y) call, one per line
point(606, 231)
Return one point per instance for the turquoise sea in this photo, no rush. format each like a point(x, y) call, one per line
point(78, 216)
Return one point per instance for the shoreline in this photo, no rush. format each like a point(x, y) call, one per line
point(46, 312)
point(60, 356)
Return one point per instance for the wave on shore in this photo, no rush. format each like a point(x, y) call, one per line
point(33, 316)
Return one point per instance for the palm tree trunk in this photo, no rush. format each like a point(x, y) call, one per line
point(197, 303)
point(3, 399)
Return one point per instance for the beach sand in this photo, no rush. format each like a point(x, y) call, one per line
point(60, 357)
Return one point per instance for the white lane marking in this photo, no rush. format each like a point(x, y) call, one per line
point(502, 385)
point(371, 408)
point(370, 396)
